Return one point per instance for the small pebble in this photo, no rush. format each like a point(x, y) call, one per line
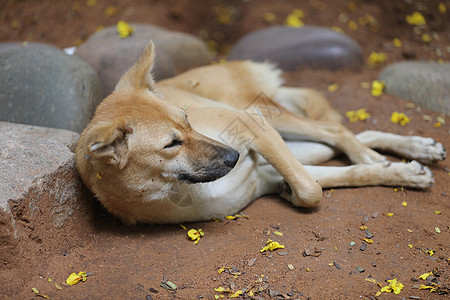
point(282, 253)
point(363, 247)
point(368, 234)
point(366, 219)
point(359, 269)
point(375, 214)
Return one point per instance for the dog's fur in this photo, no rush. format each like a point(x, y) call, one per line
point(206, 143)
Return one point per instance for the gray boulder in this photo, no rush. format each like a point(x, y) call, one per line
point(425, 83)
point(111, 55)
point(8, 46)
point(42, 199)
point(291, 48)
point(46, 87)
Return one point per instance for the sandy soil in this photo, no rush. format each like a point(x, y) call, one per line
point(134, 262)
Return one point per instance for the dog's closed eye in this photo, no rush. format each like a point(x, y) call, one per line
point(174, 143)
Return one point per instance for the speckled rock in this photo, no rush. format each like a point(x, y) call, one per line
point(42, 199)
point(7, 46)
point(46, 87)
point(291, 48)
point(111, 55)
point(425, 83)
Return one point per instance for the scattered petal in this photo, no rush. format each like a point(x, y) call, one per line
point(124, 29)
point(333, 87)
point(410, 245)
point(437, 212)
point(278, 233)
point(352, 25)
point(75, 278)
point(294, 18)
point(376, 59)
point(397, 43)
point(368, 241)
point(405, 204)
point(416, 18)
point(393, 287)
point(442, 8)
point(271, 246)
point(359, 115)
point(437, 229)
point(389, 214)
point(377, 88)
point(236, 294)
point(425, 276)
point(399, 118)
point(269, 17)
point(110, 11)
point(195, 235)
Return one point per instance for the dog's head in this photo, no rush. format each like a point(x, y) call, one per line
point(139, 142)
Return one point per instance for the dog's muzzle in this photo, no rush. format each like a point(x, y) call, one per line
point(213, 171)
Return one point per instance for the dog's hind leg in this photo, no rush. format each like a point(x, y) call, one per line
point(298, 128)
point(306, 102)
point(411, 174)
point(425, 150)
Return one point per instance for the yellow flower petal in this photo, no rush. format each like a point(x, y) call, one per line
point(75, 278)
point(377, 88)
point(271, 246)
point(124, 29)
point(442, 8)
point(333, 87)
point(425, 276)
point(236, 294)
point(376, 59)
point(393, 287)
point(399, 118)
point(389, 214)
point(397, 43)
point(405, 204)
point(294, 18)
point(416, 18)
point(368, 241)
point(195, 235)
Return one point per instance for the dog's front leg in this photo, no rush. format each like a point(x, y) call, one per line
point(240, 131)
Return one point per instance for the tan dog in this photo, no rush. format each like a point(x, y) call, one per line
point(208, 142)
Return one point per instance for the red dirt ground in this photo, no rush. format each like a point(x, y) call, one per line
point(132, 262)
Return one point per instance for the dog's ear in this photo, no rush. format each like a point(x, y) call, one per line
point(139, 76)
point(109, 142)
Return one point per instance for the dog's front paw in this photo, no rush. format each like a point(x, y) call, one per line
point(417, 175)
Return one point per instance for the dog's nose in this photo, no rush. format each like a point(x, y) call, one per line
point(231, 158)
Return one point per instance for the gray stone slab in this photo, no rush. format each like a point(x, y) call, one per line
point(27, 154)
point(41, 85)
point(425, 83)
point(111, 56)
point(291, 48)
